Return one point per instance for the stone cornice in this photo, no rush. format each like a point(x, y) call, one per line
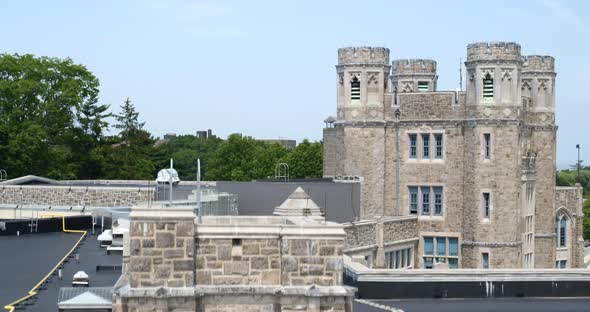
point(490, 244)
point(232, 290)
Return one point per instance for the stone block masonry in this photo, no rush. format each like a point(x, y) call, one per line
point(67, 196)
point(231, 264)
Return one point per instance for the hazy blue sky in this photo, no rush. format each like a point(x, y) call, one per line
point(266, 68)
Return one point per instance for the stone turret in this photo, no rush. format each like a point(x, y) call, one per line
point(538, 81)
point(362, 82)
point(413, 75)
point(298, 204)
point(493, 70)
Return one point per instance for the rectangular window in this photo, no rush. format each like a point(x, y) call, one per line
point(453, 247)
point(453, 263)
point(441, 248)
point(487, 145)
point(413, 200)
point(413, 139)
point(423, 86)
point(486, 205)
point(428, 262)
point(488, 87)
point(403, 258)
point(428, 246)
point(438, 200)
point(409, 257)
point(355, 89)
point(425, 200)
point(438, 138)
point(485, 260)
point(561, 264)
point(426, 146)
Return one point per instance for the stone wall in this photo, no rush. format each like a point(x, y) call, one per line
point(396, 229)
point(89, 196)
point(161, 253)
point(238, 262)
point(360, 234)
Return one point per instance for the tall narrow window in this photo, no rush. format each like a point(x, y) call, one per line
point(428, 251)
point(438, 200)
point(425, 200)
point(426, 146)
point(562, 232)
point(413, 139)
point(423, 86)
point(438, 138)
point(441, 249)
point(485, 260)
point(487, 145)
point(413, 200)
point(486, 205)
point(453, 247)
point(488, 87)
point(355, 89)
point(428, 246)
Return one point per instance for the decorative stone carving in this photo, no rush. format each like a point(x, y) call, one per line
point(373, 77)
point(356, 75)
point(341, 78)
point(407, 86)
point(543, 84)
point(425, 128)
point(507, 74)
point(526, 84)
point(487, 71)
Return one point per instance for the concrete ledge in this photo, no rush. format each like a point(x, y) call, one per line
point(158, 213)
point(361, 273)
point(202, 291)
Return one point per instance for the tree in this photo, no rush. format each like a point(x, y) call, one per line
point(305, 161)
point(41, 100)
point(185, 150)
point(233, 160)
point(130, 157)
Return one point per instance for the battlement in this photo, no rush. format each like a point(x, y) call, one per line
point(363, 55)
point(489, 51)
point(538, 63)
point(413, 66)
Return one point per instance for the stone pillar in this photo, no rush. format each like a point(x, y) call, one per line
point(380, 256)
point(161, 247)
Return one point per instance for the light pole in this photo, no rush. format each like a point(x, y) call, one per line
point(578, 164)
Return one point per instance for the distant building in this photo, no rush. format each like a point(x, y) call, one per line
point(289, 144)
point(204, 134)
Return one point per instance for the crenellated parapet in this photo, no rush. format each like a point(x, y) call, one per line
point(363, 55)
point(413, 75)
point(493, 51)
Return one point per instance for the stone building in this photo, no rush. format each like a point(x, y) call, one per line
point(476, 168)
point(173, 262)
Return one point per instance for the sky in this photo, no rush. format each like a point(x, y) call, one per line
point(266, 68)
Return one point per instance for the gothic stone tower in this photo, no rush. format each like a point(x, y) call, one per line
point(476, 167)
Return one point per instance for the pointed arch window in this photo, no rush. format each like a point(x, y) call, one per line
point(355, 89)
point(488, 86)
point(562, 223)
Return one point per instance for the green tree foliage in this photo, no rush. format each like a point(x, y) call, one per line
point(43, 103)
point(586, 210)
point(568, 177)
point(130, 157)
point(185, 150)
point(239, 158)
point(305, 161)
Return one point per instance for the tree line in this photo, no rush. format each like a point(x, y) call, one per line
point(52, 125)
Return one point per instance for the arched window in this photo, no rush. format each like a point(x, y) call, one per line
point(355, 89)
point(562, 231)
point(488, 86)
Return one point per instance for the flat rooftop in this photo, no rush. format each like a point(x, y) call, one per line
point(26, 259)
point(481, 305)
